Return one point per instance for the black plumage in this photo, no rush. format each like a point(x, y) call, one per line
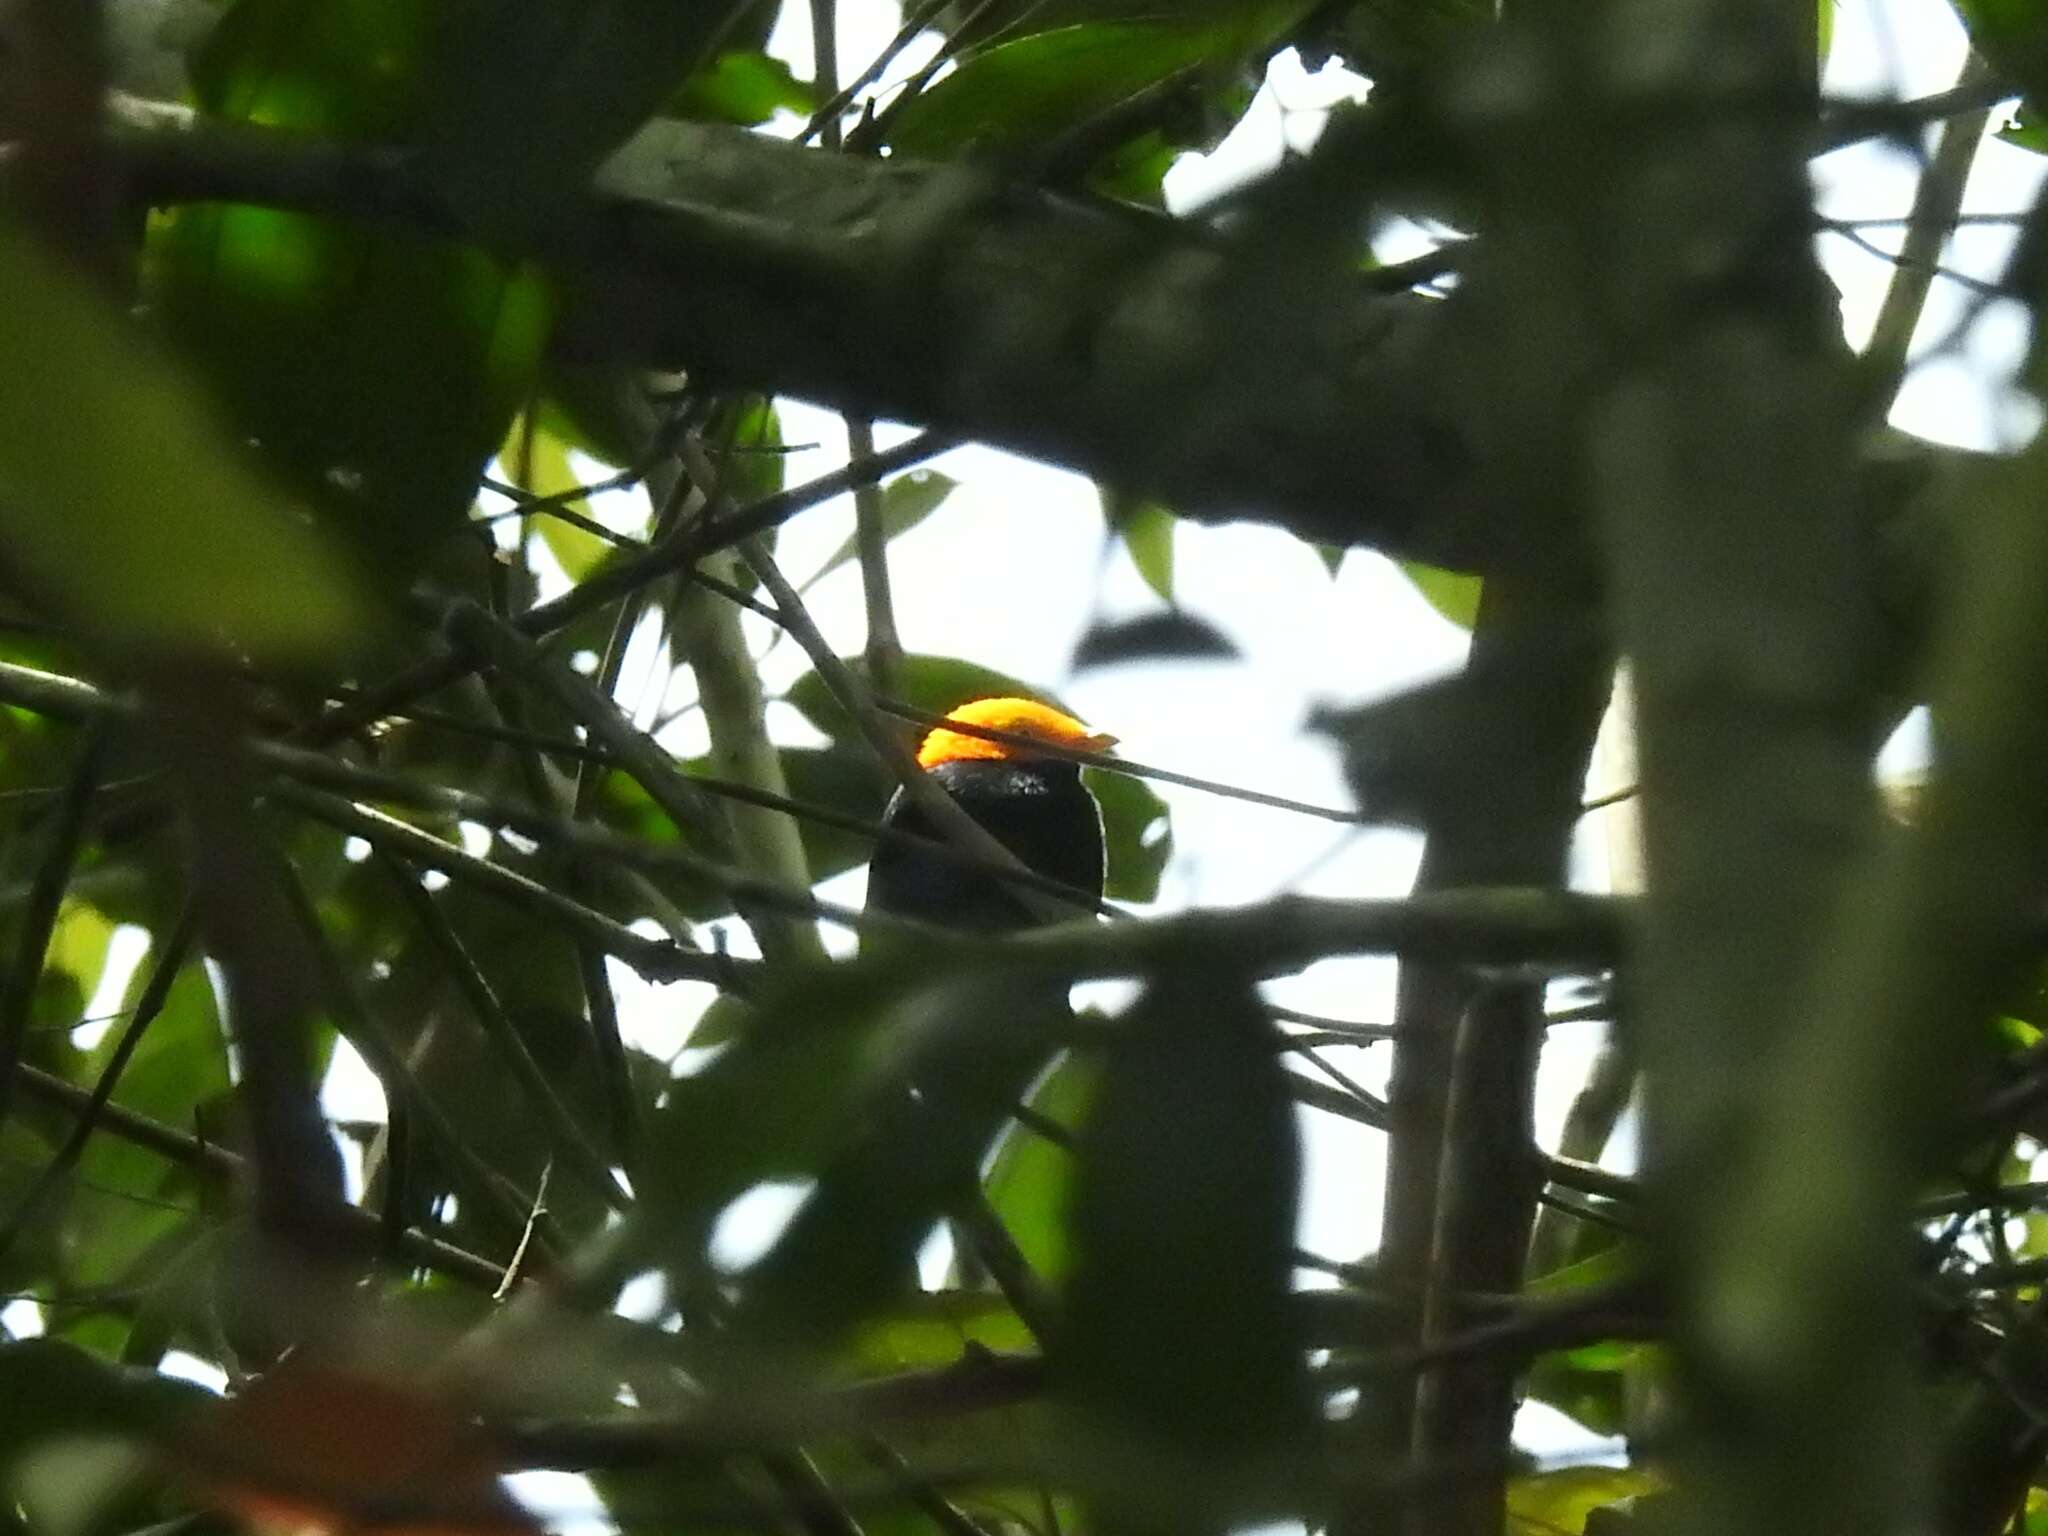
point(1035, 807)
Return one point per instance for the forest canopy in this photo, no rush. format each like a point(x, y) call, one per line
point(335, 335)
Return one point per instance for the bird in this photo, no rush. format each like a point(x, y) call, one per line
point(1033, 803)
point(970, 1044)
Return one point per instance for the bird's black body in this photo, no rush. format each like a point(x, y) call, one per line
point(1036, 807)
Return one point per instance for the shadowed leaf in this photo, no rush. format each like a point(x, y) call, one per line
point(906, 501)
point(125, 504)
point(1189, 1397)
point(1173, 635)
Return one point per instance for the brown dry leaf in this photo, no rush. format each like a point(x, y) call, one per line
point(318, 1451)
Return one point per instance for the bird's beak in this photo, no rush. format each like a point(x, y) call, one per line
point(1100, 741)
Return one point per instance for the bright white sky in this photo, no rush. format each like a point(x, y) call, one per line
point(1013, 568)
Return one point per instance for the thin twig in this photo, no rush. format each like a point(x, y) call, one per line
point(992, 1246)
point(884, 650)
point(1936, 201)
point(217, 1163)
point(499, 1029)
point(488, 638)
point(656, 959)
point(149, 1003)
point(45, 902)
point(1111, 763)
point(682, 549)
point(915, 20)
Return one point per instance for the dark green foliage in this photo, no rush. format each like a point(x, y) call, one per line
point(1032, 1270)
point(1174, 1350)
point(963, 1054)
point(378, 368)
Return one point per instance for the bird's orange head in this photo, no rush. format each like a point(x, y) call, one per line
point(1020, 717)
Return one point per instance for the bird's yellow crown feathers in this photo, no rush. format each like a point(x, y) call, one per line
point(1020, 717)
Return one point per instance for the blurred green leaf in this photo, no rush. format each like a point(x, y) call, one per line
point(755, 465)
point(845, 782)
point(1618, 1261)
point(1135, 172)
point(592, 407)
point(1146, 531)
point(1171, 635)
point(1451, 593)
point(934, 1328)
point(906, 501)
point(123, 501)
point(743, 86)
point(1024, 92)
point(1557, 1503)
point(936, 683)
point(50, 1389)
point(1595, 1384)
point(2013, 36)
point(378, 369)
point(2026, 130)
point(773, 1105)
point(967, 1047)
point(1189, 1398)
point(1137, 834)
point(538, 463)
point(180, 1062)
point(1030, 1178)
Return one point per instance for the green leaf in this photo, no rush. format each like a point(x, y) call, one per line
point(50, 1389)
point(2013, 35)
point(1190, 1401)
point(742, 86)
point(1146, 530)
point(1451, 593)
point(593, 408)
point(139, 1200)
point(125, 503)
point(906, 501)
point(1030, 1178)
point(1594, 1384)
point(379, 370)
point(934, 1328)
point(1137, 834)
point(936, 683)
point(1558, 1503)
point(1025, 92)
point(755, 465)
point(773, 1105)
point(1136, 172)
point(841, 780)
point(2026, 130)
point(968, 1046)
point(538, 463)
point(1617, 1262)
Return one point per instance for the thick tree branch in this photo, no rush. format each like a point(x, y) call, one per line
point(1121, 344)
